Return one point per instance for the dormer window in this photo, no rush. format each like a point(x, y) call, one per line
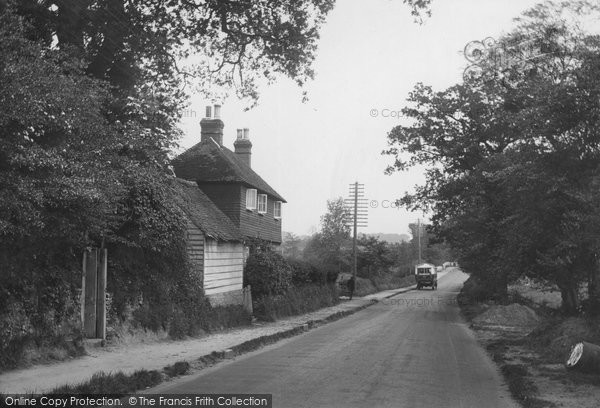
point(251, 199)
point(277, 210)
point(262, 203)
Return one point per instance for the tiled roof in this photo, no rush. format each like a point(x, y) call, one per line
point(204, 213)
point(209, 162)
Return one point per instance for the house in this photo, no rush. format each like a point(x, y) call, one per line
point(227, 204)
point(228, 179)
point(214, 245)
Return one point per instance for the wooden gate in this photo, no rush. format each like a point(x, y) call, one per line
point(93, 293)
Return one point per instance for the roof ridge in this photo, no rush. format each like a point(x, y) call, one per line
point(204, 163)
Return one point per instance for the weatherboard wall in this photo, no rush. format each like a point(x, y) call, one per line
point(223, 271)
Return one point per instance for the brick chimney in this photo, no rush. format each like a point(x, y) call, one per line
point(211, 126)
point(243, 146)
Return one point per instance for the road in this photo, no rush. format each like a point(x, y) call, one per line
point(412, 350)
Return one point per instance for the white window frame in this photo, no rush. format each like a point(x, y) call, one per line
point(251, 199)
point(277, 210)
point(262, 203)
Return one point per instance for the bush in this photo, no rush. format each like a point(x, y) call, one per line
point(297, 300)
point(364, 287)
point(475, 291)
point(304, 272)
point(268, 273)
point(387, 282)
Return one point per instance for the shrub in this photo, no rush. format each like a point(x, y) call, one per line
point(364, 287)
point(297, 300)
point(387, 282)
point(268, 273)
point(305, 272)
point(179, 368)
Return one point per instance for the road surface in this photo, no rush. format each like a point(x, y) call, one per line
point(413, 350)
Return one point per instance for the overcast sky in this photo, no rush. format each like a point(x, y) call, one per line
point(371, 54)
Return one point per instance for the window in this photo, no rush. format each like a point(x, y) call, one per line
point(262, 203)
point(251, 199)
point(277, 210)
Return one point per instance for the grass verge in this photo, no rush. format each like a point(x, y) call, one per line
point(120, 384)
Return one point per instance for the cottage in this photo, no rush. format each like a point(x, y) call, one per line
point(226, 204)
point(214, 245)
point(228, 179)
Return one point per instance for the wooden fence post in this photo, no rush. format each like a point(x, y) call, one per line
point(247, 300)
point(90, 294)
point(82, 293)
point(101, 294)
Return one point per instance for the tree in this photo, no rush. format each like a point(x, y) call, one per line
point(335, 232)
point(143, 43)
point(70, 177)
point(291, 247)
point(330, 246)
point(511, 155)
point(374, 257)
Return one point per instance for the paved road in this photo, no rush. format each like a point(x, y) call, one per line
point(413, 350)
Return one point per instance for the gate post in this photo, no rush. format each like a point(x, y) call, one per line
point(89, 292)
point(101, 294)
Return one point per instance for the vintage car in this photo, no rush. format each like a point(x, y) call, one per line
point(426, 275)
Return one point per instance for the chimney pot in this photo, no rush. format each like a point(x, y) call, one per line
point(243, 146)
point(211, 127)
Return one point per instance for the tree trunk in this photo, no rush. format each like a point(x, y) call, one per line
point(497, 284)
point(584, 357)
point(594, 288)
point(570, 300)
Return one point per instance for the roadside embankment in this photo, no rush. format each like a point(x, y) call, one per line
point(530, 342)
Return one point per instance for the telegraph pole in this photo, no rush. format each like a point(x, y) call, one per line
point(355, 222)
point(356, 204)
point(419, 235)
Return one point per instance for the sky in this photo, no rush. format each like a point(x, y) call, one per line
point(371, 54)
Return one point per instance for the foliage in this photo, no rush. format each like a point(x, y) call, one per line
point(296, 300)
point(374, 257)
point(334, 223)
point(268, 274)
point(330, 247)
point(90, 95)
point(303, 272)
point(227, 44)
point(513, 157)
point(116, 384)
point(292, 246)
